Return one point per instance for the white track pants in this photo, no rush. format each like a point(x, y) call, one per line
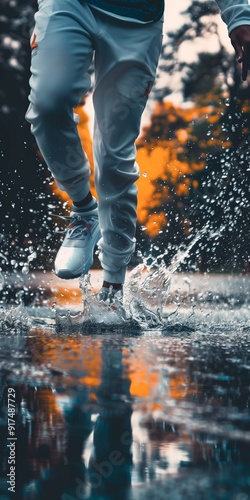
point(67, 34)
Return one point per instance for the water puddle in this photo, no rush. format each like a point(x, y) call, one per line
point(123, 411)
point(145, 399)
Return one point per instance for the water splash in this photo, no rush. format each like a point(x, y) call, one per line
point(95, 313)
point(148, 286)
point(14, 320)
point(145, 296)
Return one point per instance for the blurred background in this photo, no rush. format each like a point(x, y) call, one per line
point(193, 149)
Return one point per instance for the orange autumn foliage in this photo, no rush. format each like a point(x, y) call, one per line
point(164, 152)
point(170, 152)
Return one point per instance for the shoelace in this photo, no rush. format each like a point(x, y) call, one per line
point(78, 227)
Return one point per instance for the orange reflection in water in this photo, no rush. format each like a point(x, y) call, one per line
point(79, 358)
point(83, 361)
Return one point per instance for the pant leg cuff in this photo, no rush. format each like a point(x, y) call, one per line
point(115, 276)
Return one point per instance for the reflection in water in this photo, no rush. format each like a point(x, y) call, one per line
point(111, 461)
point(100, 416)
point(109, 466)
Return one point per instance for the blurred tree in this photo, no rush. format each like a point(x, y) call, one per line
point(205, 177)
point(172, 163)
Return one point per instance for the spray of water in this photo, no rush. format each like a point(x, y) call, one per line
point(145, 292)
point(14, 320)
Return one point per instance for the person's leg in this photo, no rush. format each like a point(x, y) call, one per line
point(62, 51)
point(125, 61)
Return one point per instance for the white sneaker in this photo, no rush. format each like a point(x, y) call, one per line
point(75, 256)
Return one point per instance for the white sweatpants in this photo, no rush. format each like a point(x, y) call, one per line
point(67, 34)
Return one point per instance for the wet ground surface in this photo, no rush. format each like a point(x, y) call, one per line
point(151, 406)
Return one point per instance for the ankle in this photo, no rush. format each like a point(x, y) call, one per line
point(83, 203)
point(92, 205)
point(115, 286)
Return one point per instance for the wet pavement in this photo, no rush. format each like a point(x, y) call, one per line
point(152, 406)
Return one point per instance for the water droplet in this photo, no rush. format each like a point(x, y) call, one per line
point(2, 281)
point(25, 269)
